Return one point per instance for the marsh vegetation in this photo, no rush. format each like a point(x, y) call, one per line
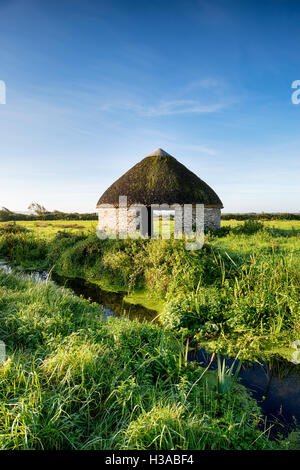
point(75, 380)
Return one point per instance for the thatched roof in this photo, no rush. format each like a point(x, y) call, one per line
point(157, 179)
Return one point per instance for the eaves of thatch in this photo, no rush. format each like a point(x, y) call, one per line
point(160, 179)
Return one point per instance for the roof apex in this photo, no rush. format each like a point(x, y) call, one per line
point(157, 179)
point(158, 152)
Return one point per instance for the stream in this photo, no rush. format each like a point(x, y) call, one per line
point(275, 384)
point(112, 303)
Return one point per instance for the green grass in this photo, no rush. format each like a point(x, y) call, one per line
point(49, 228)
point(239, 293)
point(75, 381)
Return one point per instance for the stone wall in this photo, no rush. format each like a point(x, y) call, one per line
point(109, 220)
point(212, 218)
point(113, 220)
point(118, 220)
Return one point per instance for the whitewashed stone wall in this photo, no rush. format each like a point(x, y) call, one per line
point(212, 219)
point(113, 220)
point(117, 221)
point(122, 219)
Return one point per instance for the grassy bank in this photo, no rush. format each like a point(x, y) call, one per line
point(75, 381)
point(239, 293)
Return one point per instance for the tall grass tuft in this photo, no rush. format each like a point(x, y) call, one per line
point(226, 377)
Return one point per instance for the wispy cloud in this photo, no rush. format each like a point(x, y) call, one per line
point(205, 95)
point(167, 108)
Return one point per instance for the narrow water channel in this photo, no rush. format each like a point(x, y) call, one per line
point(274, 384)
point(113, 303)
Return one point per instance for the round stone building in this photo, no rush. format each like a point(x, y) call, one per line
point(157, 180)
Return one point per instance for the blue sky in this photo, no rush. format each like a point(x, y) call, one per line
point(94, 86)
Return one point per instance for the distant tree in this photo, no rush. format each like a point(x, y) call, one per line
point(38, 208)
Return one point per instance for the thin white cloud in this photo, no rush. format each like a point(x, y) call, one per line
point(167, 108)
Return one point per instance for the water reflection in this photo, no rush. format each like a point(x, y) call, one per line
point(275, 384)
point(113, 303)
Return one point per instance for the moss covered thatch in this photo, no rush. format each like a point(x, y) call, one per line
point(157, 179)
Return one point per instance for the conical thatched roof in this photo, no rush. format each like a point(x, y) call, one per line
point(157, 179)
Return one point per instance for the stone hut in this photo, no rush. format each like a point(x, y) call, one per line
point(156, 180)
